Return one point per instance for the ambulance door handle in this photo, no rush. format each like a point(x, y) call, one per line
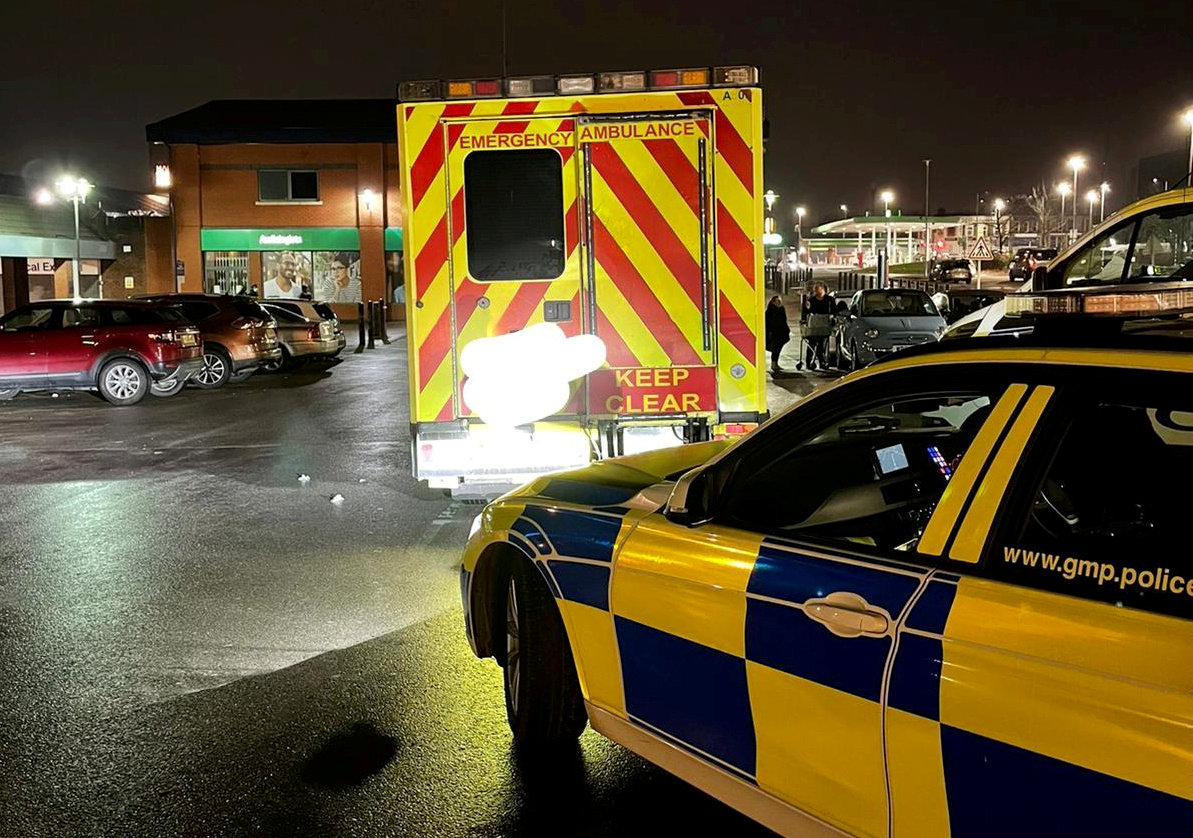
point(846, 614)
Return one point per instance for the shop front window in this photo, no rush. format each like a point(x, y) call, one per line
point(337, 276)
point(226, 272)
point(287, 275)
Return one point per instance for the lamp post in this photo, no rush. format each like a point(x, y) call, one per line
point(1076, 163)
point(800, 212)
point(770, 196)
point(73, 189)
point(1091, 197)
point(887, 196)
point(927, 225)
point(1105, 187)
point(844, 211)
point(1188, 118)
point(1063, 189)
point(999, 206)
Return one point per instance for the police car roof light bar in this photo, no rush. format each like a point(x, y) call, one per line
point(1170, 298)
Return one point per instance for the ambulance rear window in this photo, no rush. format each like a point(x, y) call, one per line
point(513, 211)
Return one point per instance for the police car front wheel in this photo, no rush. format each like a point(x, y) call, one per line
point(543, 701)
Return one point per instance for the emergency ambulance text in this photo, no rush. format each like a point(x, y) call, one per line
point(636, 131)
point(554, 139)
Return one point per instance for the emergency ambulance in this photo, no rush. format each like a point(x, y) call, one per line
point(583, 268)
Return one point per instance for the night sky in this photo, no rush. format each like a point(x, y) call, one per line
point(857, 94)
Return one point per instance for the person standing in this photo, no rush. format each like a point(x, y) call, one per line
point(778, 332)
point(820, 305)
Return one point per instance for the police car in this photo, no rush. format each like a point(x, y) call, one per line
point(951, 594)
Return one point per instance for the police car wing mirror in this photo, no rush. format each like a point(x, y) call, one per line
point(689, 502)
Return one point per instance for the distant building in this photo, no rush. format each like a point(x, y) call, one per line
point(856, 241)
point(312, 184)
point(124, 242)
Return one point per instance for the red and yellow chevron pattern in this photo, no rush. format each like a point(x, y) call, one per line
point(644, 222)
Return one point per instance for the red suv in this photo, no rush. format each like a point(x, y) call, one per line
point(122, 348)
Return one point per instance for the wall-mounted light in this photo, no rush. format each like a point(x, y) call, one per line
point(368, 196)
point(161, 176)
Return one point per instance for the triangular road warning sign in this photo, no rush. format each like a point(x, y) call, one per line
point(980, 250)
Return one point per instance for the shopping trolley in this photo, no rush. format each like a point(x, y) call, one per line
point(817, 327)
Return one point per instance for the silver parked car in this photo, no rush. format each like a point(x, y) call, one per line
point(878, 322)
point(303, 333)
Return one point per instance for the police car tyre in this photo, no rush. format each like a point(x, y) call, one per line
point(217, 369)
point(543, 701)
point(123, 381)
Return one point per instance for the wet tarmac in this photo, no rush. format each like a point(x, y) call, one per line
point(193, 641)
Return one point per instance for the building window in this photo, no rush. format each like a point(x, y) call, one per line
point(226, 272)
point(283, 185)
point(325, 276)
point(513, 214)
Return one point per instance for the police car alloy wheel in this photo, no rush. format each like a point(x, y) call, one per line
point(543, 702)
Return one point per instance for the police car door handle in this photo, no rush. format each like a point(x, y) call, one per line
point(846, 614)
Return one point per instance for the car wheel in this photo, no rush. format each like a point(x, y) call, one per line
point(277, 364)
point(217, 369)
point(8, 395)
point(543, 701)
point(123, 381)
point(854, 362)
point(164, 390)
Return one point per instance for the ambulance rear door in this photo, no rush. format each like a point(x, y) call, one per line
point(514, 234)
point(650, 288)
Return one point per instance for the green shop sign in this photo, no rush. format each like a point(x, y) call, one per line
point(294, 238)
point(393, 238)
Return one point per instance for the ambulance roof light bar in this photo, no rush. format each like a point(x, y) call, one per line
point(578, 84)
point(1151, 300)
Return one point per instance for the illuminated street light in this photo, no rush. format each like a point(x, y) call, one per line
point(800, 212)
point(1092, 197)
point(73, 189)
point(1063, 189)
point(1076, 163)
point(161, 176)
point(844, 211)
point(887, 196)
point(1187, 116)
point(1104, 188)
point(770, 197)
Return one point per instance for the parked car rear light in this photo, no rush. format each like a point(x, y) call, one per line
point(313, 333)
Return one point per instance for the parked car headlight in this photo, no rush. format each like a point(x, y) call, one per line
point(872, 333)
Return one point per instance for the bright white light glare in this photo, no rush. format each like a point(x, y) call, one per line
point(1092, 196)
point(1188, 117)
point(368, 196)
point(1105, 188)
point(1064, 188)
point(1076, 163)
point(800, 211)
point(44, 197)
point(524, 376)
point(887, 196)
point(71, 187)
point(161, 176)
point(1000, 204)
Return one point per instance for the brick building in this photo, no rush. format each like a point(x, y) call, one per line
point(285, 197)
point(124, 242)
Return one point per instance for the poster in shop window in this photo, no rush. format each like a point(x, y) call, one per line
point(337, 276)
point(287, 275)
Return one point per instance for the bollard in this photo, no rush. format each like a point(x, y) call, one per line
point(372, 344)
point(360, 328)
point(384, 321)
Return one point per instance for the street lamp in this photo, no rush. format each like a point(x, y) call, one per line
point(1188, 118)
point(887, 196)
point(844, 211)
point(1076, 163)
point(1063, 189)
point(770, 197)
point(999, 206)
point(73, 189)
point(800, 212)
point(1102, 213)
point(1092, 197)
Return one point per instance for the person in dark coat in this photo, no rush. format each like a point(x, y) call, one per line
point(819, 302)
point(777, 330)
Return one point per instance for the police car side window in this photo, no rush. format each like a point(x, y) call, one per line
point(1163, 246)
point(870, 479)
point(1104, 523)
point(1102, 261)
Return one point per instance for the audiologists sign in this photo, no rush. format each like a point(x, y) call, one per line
point(652, 391)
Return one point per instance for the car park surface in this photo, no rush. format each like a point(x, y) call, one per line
point(982, 596)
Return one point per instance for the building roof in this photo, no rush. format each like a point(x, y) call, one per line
point(898, 223)
point(111, 201)
point(29, 230)
point(225, 121)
